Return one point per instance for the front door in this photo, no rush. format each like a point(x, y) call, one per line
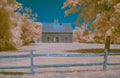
point(56, 39)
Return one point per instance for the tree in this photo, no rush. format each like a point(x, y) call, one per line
point(16, 29)
point(105, 14)
point(5, 34)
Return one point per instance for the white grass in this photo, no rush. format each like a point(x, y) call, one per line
point(63, 72)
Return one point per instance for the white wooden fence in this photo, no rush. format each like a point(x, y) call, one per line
point(32, 55)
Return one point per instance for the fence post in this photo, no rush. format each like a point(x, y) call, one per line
point(31, 62)
point(105, 59)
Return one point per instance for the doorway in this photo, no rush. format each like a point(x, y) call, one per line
point(56, 39)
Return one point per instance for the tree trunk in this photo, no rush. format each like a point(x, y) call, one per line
point(107, 43)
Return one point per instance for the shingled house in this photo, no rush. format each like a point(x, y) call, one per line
point(56, 32)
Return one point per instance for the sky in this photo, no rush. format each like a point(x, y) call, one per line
point(47, 10)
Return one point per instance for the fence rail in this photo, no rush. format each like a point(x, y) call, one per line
point(32, 55)
point(50, 55)
point(15, 56)
point(114, 53)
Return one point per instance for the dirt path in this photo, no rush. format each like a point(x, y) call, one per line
point(62, 72)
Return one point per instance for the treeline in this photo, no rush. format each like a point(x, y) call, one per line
point(16, 29)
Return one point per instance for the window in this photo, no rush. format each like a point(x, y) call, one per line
point(57, 39)
point(48, 38)
point(66, 38)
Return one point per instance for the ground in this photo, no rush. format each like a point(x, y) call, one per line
point(61, 72)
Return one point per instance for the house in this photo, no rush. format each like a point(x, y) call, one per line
point(56, 32)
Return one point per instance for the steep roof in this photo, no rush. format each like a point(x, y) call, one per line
point(56, 27)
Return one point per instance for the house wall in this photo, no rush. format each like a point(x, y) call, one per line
point(57, 37)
